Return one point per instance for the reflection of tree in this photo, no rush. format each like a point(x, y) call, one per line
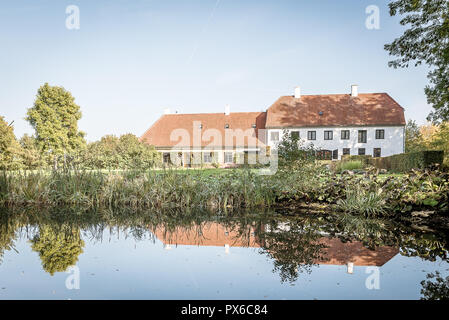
point(435, 289)
point(57, 249)
point(293, 247)
point(7, 237)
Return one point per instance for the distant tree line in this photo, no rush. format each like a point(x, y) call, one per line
point(58, 143)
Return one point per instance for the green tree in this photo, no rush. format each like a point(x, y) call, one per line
point(126, 152)
point(440, 140)
point(436, 288)
point(413, 137)
point(30, 155)
point(425, 41)
point(9, 147)
point(54, 117)
point(57, 249)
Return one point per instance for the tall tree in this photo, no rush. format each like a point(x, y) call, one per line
point(413, 137)
point(54, 117)
point(425, 41)
point(9, 147)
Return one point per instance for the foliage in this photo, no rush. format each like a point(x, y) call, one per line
point(9, 147)
point(406, 161)
point(425, 41)
point(58, 250)
point(54, 118)
point(349, 165)
point(292, 154)
point(413, 137)
point(31, 157)
point(111, 152)
point(435, 288)
point(362, 201)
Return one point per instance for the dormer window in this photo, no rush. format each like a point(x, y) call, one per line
point(226, 126)
point(201, 126)
point(254, 126)
point(320, 113)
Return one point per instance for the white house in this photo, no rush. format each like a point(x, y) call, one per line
point(356, 124)
point(337, 124)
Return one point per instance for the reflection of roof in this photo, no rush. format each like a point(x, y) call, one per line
point(340, 253)
point(335, 252)
point(337, 110)
point(207, 234)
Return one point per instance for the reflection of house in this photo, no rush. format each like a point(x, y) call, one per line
point(336, 124)
point(340, 253)
point(208, 234)
point(335, 252)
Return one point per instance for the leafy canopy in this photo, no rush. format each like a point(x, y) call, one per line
point(425, 41)
point(54, 117)
point(9, 147)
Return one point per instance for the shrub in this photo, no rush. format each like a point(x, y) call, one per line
point(349, 165)
point(362, 201)
point(407, 161)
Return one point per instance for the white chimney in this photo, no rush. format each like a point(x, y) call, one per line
point(350, 267)
point(227, 110)
point(167, 111)
point(298, 92)
point(354, 90)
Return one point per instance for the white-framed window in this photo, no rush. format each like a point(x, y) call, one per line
point(207, 157)
point(228, 158)
point(274, 136)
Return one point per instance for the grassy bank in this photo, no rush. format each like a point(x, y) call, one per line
point(369, 194)
point(152, 189)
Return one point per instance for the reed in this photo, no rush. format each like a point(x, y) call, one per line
point(150, 189)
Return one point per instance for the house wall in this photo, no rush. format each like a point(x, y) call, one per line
point(393, 143)
point(218, 152)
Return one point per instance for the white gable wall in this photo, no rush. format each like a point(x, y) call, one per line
point(393, 143)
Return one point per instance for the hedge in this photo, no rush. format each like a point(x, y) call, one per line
point(365, 159)
point(406, 161)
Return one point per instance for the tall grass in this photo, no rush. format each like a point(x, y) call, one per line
point(361, 201)
point(349, 165)
point(152, 189)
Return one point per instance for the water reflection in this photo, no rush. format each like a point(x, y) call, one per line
point(294, 244)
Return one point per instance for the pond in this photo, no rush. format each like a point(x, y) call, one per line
point(121, 254)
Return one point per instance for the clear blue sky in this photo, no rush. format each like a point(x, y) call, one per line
point(131, 59)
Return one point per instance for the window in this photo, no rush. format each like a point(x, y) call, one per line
point(335, 154)
point(328, 135)
point(324, 155)
point(275, 136)
point(380, 134)
point(361, 151)
point(311, 135)
point(254, 126)
point(295, 135)
point(226, 126)
point(207, 157)
point(362, 136)
point(228, 157)
point(201, 126)
point(344, 134)
point(346, 151)
point(377, 153)
point(166, 157)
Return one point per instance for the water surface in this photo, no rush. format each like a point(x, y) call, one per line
point(146, 255)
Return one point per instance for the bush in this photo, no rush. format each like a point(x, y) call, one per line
point(365, 159)
point(407, 161)
point(349, 165)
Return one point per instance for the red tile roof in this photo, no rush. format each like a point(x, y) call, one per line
point(337, 110)
point(159, 133)
point(367, 109)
